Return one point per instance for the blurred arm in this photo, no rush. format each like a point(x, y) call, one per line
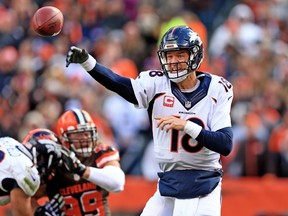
point(20, 203)
point(110, 177)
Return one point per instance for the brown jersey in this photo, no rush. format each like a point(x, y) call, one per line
point(83, 197)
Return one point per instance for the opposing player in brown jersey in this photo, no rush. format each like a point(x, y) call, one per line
point(98, 166)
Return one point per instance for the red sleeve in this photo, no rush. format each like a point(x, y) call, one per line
point(105, 154)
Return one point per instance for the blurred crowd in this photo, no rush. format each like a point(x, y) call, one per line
point(245, 41)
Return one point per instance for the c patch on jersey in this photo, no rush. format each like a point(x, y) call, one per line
point(168, 101)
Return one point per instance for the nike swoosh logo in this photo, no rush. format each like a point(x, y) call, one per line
point(30, 172)
point(229, 97)
point(33, 178)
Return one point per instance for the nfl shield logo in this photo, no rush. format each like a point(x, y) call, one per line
point(188, 104)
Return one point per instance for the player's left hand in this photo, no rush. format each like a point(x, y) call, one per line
point(170, 122)
point(51, 208)
point(76, 55)
point(71, 163)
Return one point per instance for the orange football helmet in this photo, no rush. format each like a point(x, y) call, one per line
point(77, 132)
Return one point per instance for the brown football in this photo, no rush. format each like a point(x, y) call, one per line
point(47, 21)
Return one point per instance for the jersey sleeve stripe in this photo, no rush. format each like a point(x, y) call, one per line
point(111, 156)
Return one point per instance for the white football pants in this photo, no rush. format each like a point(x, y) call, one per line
point(209, 205)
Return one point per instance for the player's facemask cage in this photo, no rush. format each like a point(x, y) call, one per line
point(87, 143)
point(77, 129)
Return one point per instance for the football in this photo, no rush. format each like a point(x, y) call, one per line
point(47, 21)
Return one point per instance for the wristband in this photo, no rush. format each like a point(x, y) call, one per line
point(81, 168)
point(89, 64)
point(192, 129)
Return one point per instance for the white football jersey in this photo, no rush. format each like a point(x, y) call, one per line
point(209, 106)
point(16, 169)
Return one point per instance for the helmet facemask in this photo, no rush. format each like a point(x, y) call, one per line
point(176, 72)
point(82, 140)
point(78, 132)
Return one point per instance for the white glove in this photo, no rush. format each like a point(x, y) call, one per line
point(51, 208)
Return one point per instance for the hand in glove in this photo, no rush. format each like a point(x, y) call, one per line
point(71, 163)
point(51, 208)
point(81, 56)
point(76, 55)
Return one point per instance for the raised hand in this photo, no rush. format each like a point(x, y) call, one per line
point(76, 55)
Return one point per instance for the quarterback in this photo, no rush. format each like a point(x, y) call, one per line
point(189, 112)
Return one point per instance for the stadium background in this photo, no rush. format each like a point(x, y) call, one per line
point(245, 41)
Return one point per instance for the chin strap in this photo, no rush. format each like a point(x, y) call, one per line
point(179, 78)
